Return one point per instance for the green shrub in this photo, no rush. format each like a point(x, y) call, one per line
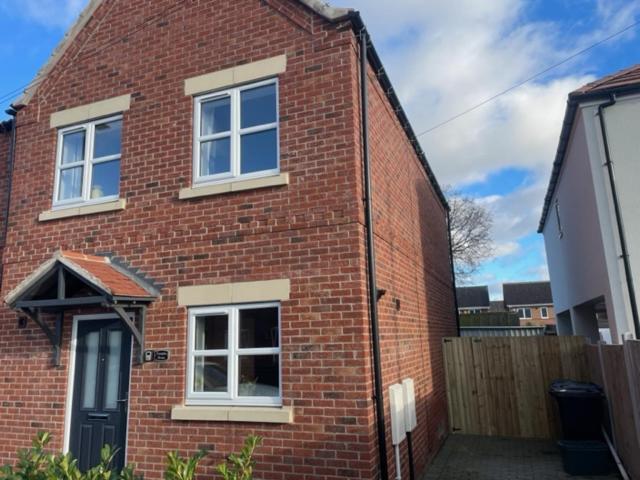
point(179, 468)
point(36, 464)
point(240, 467)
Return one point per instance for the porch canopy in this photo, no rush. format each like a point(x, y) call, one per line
point(73, 280)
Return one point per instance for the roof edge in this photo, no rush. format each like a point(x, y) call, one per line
point(382, 76)
point(58, 52)
point(332, 14)
point(574, 100)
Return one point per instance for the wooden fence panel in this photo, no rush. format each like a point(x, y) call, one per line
point(620, 376)
point(499, 386)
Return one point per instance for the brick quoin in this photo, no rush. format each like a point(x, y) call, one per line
point(310, 231)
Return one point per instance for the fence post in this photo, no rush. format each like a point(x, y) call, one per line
point(607, 390)
point(633, 371)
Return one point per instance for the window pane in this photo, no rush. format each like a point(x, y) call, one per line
point(112, 386)
point(258, 106)
point(215, 157)
point(108, 137)
point(73, 147)
point(259, 376)
point(259, 328)
point(212, 332)
point(259, 152)
point(70, 183)
point(90, 370)
point(105, 180)
point(216, 116)
point(210, 374)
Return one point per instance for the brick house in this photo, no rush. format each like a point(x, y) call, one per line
point(473, 299)
point(531, 300)
point(187, 252)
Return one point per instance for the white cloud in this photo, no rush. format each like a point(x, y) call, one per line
point(445, 56)
point(49, 13)
point(505, 249)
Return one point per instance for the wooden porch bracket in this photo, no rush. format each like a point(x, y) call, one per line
point(138, 334)
point(54, 337)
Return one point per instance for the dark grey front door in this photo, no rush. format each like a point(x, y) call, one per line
point(100, 391)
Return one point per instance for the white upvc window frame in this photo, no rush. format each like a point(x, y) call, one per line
point(233, 353)
point(87, 163)
point(544, 312)
point(235, 134)
point(522, 313)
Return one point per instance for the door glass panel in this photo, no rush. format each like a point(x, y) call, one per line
point(259, 328)
point(91, 342)
point(113, 370)
point(259, 376)
point(212, 332)
point(210, 374)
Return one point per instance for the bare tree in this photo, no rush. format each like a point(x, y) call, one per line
point(471, 240)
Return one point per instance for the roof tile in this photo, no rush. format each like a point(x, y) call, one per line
point(102, 269)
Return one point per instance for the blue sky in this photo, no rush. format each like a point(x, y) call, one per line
point(444, 56)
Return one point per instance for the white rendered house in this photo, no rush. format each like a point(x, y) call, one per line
point(591, 215)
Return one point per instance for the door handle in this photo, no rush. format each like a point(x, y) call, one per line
point(122, 400)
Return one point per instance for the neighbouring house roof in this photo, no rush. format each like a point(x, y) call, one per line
point(473, 297)
point(527, 293)
point(99, 273)
point(329, 13)
point(625, 81)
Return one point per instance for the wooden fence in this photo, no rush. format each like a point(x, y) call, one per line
point(617, 369)
point(499, 386)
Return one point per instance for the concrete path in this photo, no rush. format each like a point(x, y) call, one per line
point(484, 458)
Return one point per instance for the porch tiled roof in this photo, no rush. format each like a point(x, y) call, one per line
point(98, 272)
point(116, 282)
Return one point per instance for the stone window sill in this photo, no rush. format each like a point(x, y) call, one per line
point(233, 414)
point(76, 211)
point(234, 186)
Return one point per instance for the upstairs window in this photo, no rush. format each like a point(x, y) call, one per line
point(524, 313)
point(236, 133)
point(544, 312)
point(88, 162)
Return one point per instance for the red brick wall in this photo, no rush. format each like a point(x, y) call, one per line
point(413, 267)
point(309, 231)
point(5, 149)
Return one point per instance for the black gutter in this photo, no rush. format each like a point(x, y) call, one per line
point(371, 261)
point(575, 99)
point(618, 212)
point(10, 161)
point(453, 274)
point(360, 28)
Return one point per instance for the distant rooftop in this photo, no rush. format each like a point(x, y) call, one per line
point(527, 293)
point(623, 78)
point(470, 297)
